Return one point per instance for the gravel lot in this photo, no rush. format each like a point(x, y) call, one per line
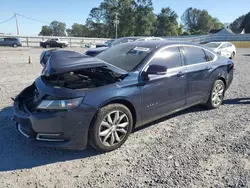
point(194, 148)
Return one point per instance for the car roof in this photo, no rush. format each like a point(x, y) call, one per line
point(129, 37)
point(158, 43)
point(219, 42)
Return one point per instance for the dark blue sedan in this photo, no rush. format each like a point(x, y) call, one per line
point(80, 100)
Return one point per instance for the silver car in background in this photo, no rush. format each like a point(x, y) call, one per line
point(225, 49)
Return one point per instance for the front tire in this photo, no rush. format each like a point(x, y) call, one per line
point(217, 95)
point(47, 46)
point(111, 127)
point(14, 45)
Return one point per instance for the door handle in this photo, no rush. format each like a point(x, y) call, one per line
point(181, 74)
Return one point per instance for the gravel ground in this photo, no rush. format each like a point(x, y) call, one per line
point(194, 148)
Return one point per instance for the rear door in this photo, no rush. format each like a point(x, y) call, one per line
point(198, 63)
point(7, 42)
point(162, 94)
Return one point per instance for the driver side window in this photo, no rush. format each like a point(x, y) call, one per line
point(170, 57)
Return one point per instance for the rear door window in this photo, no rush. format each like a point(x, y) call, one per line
point(10, 39)
point(194, 55)
point(209, 56)
point(170, 57)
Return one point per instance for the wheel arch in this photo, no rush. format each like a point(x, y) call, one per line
point(224, 81)
point(126, 103)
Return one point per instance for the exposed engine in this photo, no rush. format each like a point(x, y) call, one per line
point(86, 78)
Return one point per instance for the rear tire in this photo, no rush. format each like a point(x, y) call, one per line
point(217, 95)
point(14, 45)
point(110, 128)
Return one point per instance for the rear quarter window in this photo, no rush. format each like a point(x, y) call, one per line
point(209, 56)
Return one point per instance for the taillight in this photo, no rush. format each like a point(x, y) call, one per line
point(233, 66)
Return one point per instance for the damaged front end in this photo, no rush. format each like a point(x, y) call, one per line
point(52, 109)
point(76, 71)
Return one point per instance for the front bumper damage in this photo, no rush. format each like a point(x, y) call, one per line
point(63, 129)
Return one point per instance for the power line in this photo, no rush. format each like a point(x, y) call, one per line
point(7, 20)
point(32, 18)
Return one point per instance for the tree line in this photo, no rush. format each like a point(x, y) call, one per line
point(136, 18)
point(243, 22)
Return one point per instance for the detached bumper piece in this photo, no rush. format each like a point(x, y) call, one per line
point(19, 128)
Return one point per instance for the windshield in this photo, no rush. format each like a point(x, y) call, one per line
point(126, 56)
point(212, 45)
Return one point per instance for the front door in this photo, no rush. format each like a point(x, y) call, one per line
point(163, 94)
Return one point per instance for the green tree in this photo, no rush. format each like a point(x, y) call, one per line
point(78, 30)
point(144, 18)
point(126, 16)
point(217, 24)
point(95, 23)
point(199, 21)
point(54, 29)
point(45, 31)
point(246, 23)
point(58, 28)
point(237, 24)
point(167, 24)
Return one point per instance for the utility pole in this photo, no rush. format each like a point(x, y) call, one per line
point(17, 28)
point(116, 22)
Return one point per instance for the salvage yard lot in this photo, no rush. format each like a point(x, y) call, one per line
point(194, 148)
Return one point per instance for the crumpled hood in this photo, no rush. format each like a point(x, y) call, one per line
point(62, 61)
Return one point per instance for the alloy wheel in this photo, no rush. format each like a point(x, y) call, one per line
point(218, 94)
point(113, 128)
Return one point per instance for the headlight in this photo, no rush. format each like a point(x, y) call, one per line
point(60, 104)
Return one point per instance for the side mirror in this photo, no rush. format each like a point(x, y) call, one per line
point(156, 70)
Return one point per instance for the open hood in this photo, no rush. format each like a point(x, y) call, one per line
point(61, 61)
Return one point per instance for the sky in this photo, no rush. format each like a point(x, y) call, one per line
point(76, 11)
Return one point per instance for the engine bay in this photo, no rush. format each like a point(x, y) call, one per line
point(86, 78)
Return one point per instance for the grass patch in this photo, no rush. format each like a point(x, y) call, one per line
point(241, 44)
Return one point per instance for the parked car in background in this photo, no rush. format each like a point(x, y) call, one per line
point(10, 41)
point(106, 44)
point(80, 100)
point(93, 52)
point(149, 39)
point(225, 49)
point(54, 42)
